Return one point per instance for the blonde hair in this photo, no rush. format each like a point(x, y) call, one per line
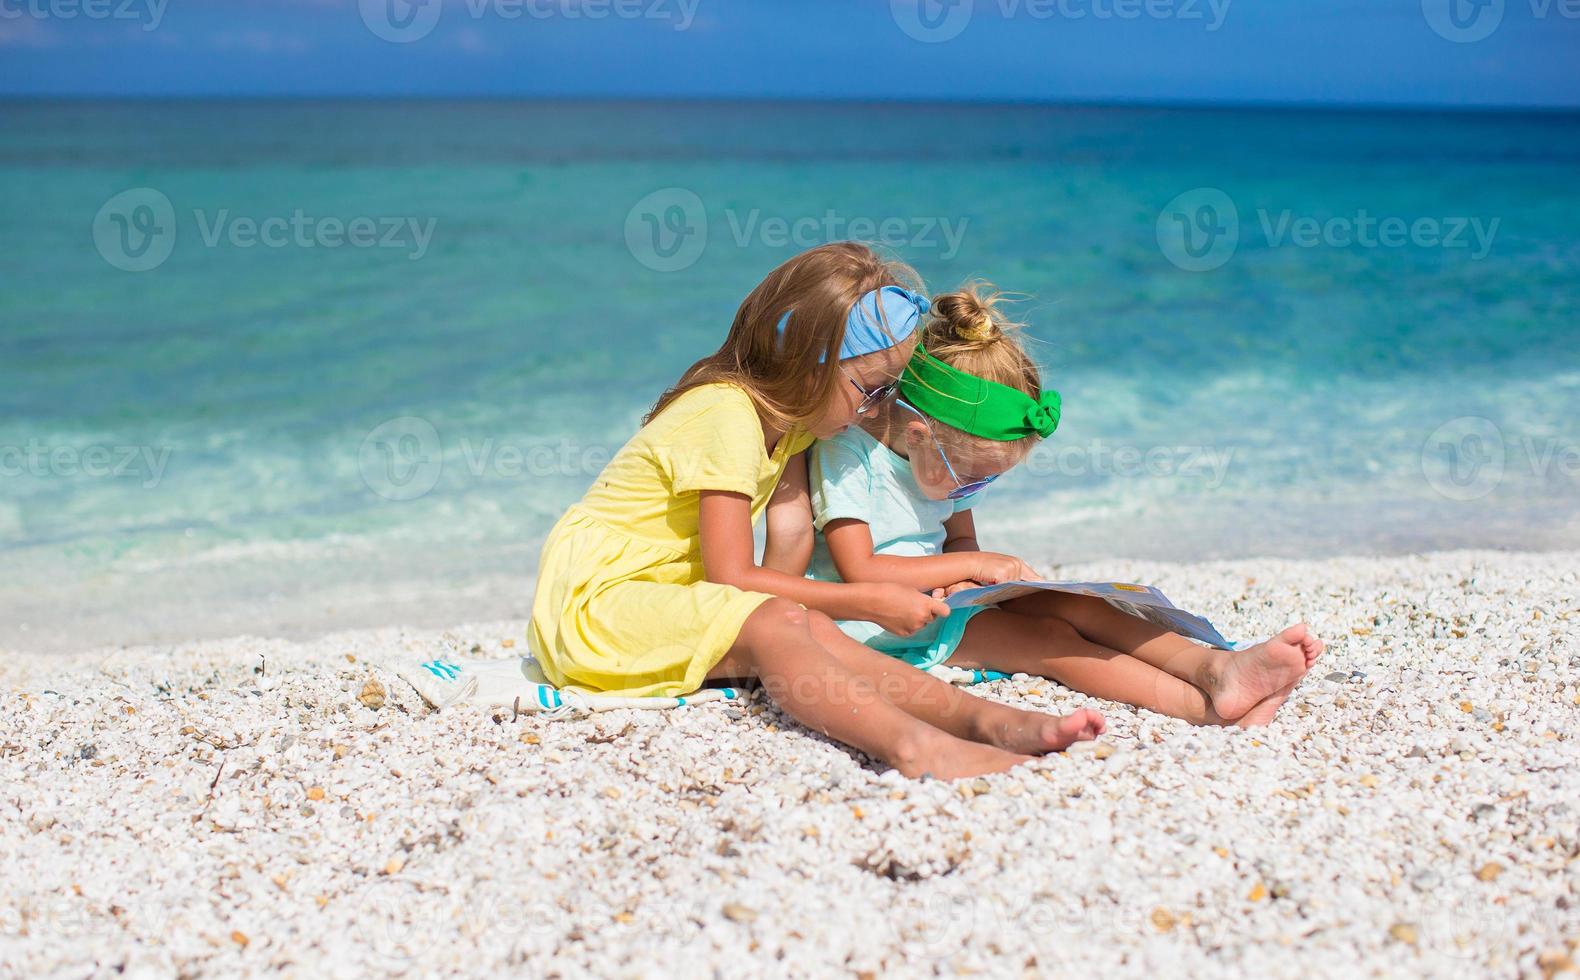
point(792, 375)
point(969, 331)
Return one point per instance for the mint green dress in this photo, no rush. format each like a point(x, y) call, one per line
point(854, 476)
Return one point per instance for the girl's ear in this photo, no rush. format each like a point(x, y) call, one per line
point(916, 434)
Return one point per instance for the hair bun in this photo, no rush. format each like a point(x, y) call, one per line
point(969, 319)
point(982, 330)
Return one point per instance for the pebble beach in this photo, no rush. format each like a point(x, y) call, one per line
point(250, 806)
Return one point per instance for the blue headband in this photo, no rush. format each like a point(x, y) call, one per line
point(867, 331)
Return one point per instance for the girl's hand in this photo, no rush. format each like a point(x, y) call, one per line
point(993, 568)
point(903, 610)
point(959, 587)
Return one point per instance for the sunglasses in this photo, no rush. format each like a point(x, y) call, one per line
point(871, 397)
point(961, 489)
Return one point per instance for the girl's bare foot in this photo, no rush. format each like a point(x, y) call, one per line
point(1312, 647)
point(1035, 733)
point(1263, 711)
point(947, 757)
point(1250, 677)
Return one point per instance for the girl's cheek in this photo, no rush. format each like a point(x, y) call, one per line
point(929, 479)
point(836, 416)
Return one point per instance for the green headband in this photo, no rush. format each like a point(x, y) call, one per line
point(976, 405)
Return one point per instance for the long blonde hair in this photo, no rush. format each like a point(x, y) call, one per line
point(791, 375)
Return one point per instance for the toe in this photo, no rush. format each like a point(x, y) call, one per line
point(1295, 635)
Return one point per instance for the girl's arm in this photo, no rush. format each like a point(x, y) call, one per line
point(850, 545)
point(789, 521)
point(725, 524)
point(960, 532)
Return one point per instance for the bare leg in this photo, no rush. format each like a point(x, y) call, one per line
point(816, 689)
point(1238, 683)
point(998, 639)
point(947, 707)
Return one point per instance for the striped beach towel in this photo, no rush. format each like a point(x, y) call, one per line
point(448, 680)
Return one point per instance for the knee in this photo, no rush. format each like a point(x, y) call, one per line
point(820, 624)
point(784, 615)
point(1058, 630)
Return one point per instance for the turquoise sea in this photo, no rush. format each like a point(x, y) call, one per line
point(281, 367)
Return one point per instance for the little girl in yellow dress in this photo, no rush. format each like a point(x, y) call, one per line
point(649, 586)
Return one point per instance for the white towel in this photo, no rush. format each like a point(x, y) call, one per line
point(446, 681)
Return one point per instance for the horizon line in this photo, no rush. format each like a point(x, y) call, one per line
point(1180, 104)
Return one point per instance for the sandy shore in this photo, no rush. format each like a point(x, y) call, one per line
point(230, 806)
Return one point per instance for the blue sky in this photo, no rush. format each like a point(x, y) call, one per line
point(1344, 52)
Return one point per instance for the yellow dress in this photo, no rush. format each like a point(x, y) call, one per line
point(621, 603)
